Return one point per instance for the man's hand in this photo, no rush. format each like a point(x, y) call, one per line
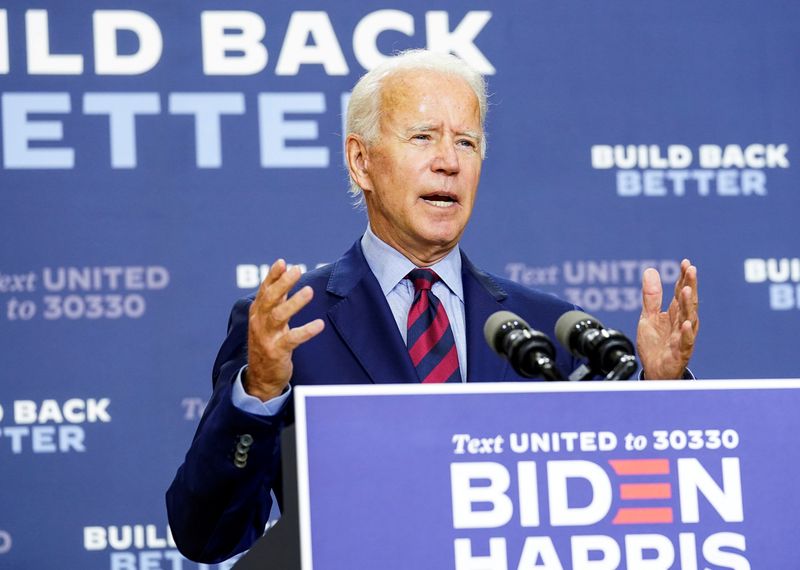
point(665, 340)
point(270, 341)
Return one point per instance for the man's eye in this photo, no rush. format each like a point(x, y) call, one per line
point(421, 137)
point(467, 143)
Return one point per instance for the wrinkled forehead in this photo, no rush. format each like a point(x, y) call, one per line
point(428, 95)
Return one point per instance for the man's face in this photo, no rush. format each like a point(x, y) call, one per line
point(424, 169)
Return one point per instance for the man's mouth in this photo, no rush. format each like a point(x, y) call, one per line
point(441, 200)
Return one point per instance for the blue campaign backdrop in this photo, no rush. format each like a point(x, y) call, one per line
point(156, 155)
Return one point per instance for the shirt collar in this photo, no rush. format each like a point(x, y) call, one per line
point(390, 266)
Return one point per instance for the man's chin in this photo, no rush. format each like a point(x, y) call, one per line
point(444, 238)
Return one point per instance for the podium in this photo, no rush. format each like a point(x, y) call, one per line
point(518, 476)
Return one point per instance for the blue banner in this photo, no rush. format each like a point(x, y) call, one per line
point(156, 156)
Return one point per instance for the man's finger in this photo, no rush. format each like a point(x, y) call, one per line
point(694, 313)
point(681, 282)
point(691, 281)
point(651, 292)
point(687, 339)
point(686, 311)
point(688, 297)
point(279, 289)
point(297, 336)
point(275, 271)
point(285, 311)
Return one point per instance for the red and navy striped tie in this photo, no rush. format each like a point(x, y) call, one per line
point(430, 340)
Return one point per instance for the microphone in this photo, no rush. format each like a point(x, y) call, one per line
point(608, 351)
point(529, 351)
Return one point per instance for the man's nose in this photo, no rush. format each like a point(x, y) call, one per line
point(446, 160)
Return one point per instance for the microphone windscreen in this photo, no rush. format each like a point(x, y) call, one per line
point(566, 324)
point(496, 323)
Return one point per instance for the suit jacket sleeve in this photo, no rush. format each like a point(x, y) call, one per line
point(215, 508)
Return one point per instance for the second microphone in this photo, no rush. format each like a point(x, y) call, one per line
point(530, 352)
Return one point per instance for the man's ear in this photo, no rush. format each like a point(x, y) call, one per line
point(358, 161)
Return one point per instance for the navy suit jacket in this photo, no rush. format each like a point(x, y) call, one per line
point(217, 509)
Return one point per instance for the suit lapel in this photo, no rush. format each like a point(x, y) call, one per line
point(365, 323)
point(482, 297)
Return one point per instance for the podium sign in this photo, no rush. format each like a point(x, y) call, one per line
point(637, 475)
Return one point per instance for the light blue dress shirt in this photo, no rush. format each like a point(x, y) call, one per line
point(390, 268)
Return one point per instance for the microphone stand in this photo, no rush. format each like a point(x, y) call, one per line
point(624, 369)
point(547, 368)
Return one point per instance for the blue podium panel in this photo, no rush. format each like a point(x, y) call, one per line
point(637, 475)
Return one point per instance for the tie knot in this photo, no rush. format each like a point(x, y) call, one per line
point(423, 279)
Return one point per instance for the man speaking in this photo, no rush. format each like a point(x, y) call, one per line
point(404, 304)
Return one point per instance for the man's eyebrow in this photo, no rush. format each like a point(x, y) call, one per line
point(424, 127)
point(471, 134)
point(427, 127)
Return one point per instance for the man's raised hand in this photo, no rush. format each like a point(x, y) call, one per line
point(665, 340)
point(270, 341)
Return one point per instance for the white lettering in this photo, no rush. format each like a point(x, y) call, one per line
point(122, 109)
point(365, 36)
point(561, 513)
point(752, 156)
point(4, 65)
point(755, 270)
point(19, 131)
point(496, 560)
point(538, 553)
point(107, 59)
point(782, 297)
point(70, 438)
point(5, 542)
point(234, 31)
point(688, 550)
point(248, 276)
point(464, 495)
point(460, 41)
point(694, 479)
point(275, 130)
point(713, 553)
point(207, 109)
point(24, 411)
point(40, 60)
point(602, 156)
point(324, 48)
point(94, 538)
point(73, 410)
point(584, 546)
point(637, 544)
point(528, 494)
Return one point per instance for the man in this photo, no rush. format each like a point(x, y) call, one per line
point(415, 144)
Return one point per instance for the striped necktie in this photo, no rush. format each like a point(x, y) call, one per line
point(430, 340)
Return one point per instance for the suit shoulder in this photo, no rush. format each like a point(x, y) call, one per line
point(525, 296)
point(316, 278)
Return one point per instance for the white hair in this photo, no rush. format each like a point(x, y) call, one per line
point(364, 108)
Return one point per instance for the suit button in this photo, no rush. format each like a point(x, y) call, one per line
point(246, 440)
point(240, 463)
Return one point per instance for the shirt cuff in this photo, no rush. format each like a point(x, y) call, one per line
point(253, 405)
point(687, 374)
